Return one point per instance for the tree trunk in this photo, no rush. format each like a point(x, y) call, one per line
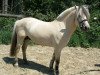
point(5, 6)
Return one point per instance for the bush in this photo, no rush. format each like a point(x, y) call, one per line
point(6, 27)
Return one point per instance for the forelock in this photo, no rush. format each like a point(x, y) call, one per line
point(86, 11)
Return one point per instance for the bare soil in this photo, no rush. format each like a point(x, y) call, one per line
point(74, 61)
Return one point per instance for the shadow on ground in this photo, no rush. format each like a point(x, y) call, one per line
point(91, 70)
point(97, 65)
point(30, 65)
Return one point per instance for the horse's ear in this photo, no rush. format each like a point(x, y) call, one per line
point(86, 6)
point(77, 8)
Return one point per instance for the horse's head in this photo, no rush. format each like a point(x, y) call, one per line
point(82, 17)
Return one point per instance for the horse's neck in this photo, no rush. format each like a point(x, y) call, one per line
point(62, 16)
point(70, 26)
point(69, 22)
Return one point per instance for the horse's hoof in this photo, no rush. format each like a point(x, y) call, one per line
point(51, 69)
point(57, 72)
point(15, 65)
point(25, 61)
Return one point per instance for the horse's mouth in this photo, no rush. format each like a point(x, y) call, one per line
point(84, 28)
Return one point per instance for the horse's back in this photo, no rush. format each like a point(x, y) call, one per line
point(27, 23)
point(27, 20)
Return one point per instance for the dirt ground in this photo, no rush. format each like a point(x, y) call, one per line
point(74, 61)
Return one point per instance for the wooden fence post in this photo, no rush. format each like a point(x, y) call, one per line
point(4, 6)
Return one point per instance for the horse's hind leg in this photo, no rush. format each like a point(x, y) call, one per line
point(24, 47)
point(19, 43)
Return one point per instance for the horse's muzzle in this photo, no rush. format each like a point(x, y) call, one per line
point(84, 28)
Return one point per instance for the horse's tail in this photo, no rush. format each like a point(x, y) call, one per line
point(13, 42)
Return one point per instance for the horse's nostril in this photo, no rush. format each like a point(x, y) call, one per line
point(86, 28)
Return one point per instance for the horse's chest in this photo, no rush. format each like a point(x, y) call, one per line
point(62, 38)
point(57, 37)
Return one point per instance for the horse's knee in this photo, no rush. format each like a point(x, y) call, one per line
point(57, 61)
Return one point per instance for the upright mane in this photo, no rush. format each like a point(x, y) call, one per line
point(65, 13)
point(86, 11)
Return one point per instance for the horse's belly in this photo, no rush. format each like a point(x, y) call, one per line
point(42, 41)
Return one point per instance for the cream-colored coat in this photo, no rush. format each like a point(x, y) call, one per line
point(55, 34)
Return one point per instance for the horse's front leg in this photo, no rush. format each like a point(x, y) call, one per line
point(52, 62)
point(57, 61)
point(57, 66)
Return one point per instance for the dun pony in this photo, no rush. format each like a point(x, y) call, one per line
point(55, 34)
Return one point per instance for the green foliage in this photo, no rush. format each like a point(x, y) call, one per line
point(6, 27)
point(48, 10)
point(74, 41)
point(94, 33)
point(79, 38)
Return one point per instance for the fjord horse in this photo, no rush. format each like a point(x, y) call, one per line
point(55, 34)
